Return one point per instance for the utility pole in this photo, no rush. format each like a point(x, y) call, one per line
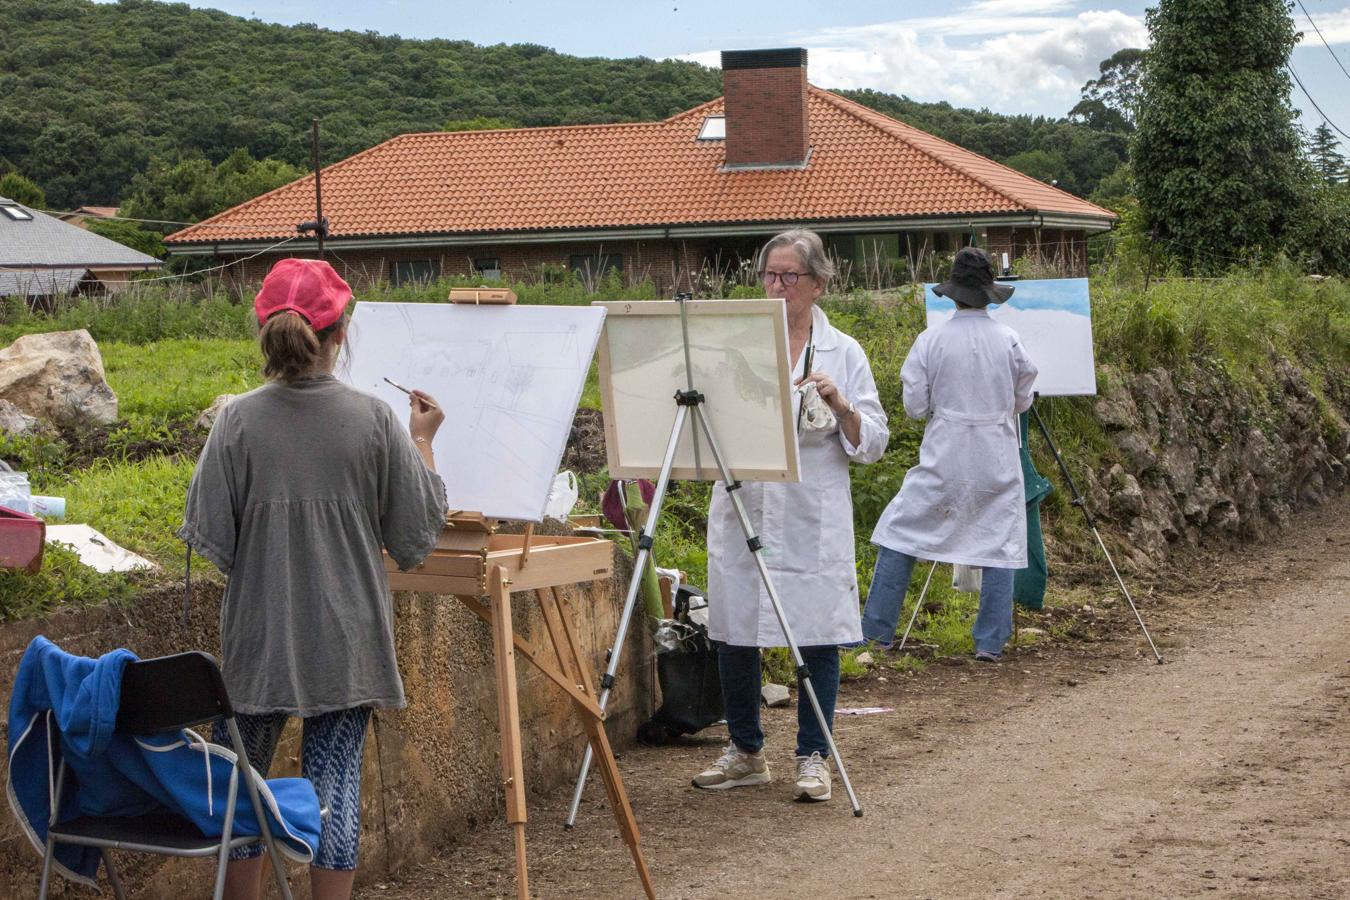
point(320, 225)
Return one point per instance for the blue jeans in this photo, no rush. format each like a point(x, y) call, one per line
point(739, 668)
point(890, 580)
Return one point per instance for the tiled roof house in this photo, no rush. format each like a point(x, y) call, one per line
point(42, 257)
point(660, 199)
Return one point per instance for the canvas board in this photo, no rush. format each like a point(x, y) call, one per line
point(96, 550)
point(739, 357)
point(1053, 317)
point(508, 377)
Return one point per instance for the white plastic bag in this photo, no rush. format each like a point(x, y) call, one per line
point(816, 413)
point(967, 579)
point(561, 497)
point(15, 492)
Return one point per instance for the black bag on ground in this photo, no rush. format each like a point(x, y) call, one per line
point(691, 689)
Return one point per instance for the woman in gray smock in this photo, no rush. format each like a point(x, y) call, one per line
point(301, 484)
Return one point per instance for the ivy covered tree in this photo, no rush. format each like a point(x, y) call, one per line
point(1325, 155)
point(1216, 157)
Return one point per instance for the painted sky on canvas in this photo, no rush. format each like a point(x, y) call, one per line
point(1053, 317)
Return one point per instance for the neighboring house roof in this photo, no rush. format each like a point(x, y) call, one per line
point(45, 242)
point(863, 166)
point(40, 282)
point(92, 212)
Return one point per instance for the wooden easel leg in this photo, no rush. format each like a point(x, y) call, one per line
point(558, 622)
point(508, 720)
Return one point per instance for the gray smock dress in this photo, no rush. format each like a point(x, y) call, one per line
point(296, 491)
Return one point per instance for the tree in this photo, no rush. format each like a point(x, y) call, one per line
point(127, 234)
point(1324, 155)
point(21, 190)
point(478, 123)
point(1111, 101)
point(1216, 159)
point(190, 189)
point(1039, 164)
point(1115, 191)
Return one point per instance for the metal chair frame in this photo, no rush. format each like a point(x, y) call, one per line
point(162, 695)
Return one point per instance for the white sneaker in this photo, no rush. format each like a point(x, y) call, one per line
point(734, 768)
point(813, 778)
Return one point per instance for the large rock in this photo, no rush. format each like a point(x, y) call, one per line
point(208, 417)
point(57, 376)
point(14, 422)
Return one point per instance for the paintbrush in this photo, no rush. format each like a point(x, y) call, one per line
point(408, 391)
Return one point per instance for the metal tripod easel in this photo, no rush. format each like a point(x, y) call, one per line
point(1080, 502)
point(687, 400)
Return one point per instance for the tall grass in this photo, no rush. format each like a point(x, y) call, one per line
point(169, 353)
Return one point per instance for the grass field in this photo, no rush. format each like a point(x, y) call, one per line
point(168, 357)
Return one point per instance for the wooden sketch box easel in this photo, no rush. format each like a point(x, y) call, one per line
point(482, 568)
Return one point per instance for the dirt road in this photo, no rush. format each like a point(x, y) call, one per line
point(1072, 771)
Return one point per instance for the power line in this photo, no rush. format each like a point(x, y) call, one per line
point(1325, 118)
point(233, 262)
point(1324, 43)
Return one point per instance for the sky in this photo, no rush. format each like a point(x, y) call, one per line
point(1010, 56)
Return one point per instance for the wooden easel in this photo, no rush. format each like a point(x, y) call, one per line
point(481, 568)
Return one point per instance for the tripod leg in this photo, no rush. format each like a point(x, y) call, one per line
point(1081, 503)
point(803, 672)
point(918, 604)
point(630, 601)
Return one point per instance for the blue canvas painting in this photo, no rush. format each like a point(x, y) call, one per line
point(1053, 317)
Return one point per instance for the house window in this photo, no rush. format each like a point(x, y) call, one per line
point(489, 267)
point(714, 129)
point(414, 271)
point(16, 213)
point(592, 264)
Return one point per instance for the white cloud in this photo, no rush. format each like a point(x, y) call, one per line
point(1335, 27)
point(1003, 54)
point(1019, 7)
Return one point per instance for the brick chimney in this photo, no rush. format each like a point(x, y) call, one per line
point(765, 93)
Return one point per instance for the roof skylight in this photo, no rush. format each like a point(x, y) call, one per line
point(714, 129)
point(14, 210)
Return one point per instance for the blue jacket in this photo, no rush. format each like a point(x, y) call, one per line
point(65, 707)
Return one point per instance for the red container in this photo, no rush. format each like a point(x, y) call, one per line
point(22, 538)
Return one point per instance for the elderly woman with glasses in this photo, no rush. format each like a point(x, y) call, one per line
point(806, 530)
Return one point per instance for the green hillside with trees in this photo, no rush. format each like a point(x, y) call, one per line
point(138, 102)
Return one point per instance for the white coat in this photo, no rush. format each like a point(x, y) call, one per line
point(806, 528)
point(964, 502)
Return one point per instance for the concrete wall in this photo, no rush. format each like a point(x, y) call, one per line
point(431, 770)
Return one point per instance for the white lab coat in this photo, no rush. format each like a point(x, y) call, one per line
point(806, 528)
point(964, 502)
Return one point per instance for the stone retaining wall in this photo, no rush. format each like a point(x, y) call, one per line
point(431, 770)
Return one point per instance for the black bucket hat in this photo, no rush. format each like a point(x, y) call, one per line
point(972, 280)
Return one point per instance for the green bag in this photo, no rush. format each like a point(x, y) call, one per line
point(1029, 583)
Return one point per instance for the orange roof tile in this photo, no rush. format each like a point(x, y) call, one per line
point(863, 165)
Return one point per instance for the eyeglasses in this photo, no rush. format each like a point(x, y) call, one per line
point(787, 278)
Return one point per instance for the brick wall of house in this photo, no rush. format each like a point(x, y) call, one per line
point(1066, 249)
point(667, 264)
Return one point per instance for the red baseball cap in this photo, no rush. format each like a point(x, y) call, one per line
point(310, 287)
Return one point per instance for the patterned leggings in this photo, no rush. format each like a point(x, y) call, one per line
point(330, 757)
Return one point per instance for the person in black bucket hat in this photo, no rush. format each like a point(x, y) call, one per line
point(964, 501)
point(971, 282)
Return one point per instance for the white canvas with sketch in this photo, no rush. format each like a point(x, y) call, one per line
point(508, 377)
